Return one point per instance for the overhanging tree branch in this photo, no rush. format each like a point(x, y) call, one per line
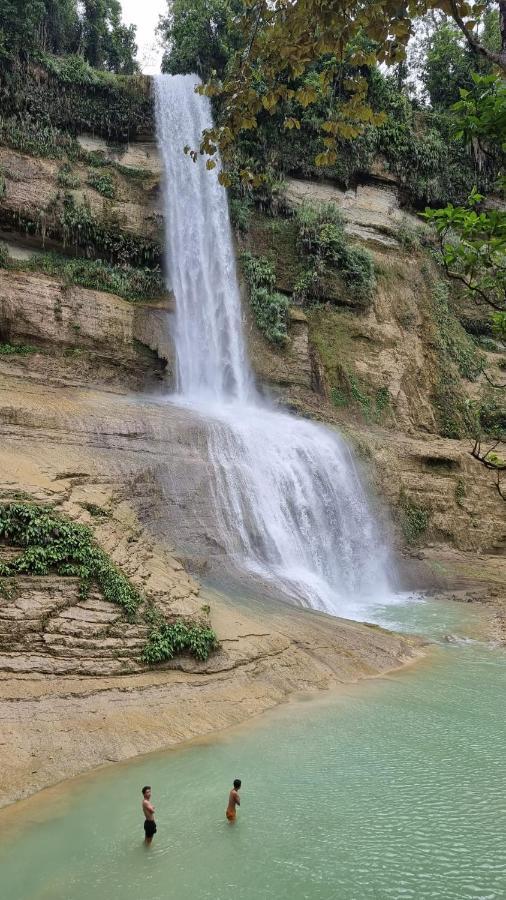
point(499, 59)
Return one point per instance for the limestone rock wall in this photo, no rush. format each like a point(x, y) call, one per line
point(32, 192)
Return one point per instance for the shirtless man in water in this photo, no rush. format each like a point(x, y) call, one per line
point(149, 815)
point(233, 801)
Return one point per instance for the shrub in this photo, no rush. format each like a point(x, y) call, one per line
point(460, 491)
point(240, 213)
point(75, 224)
point(451, 339)
point(52, 543)
point(38, 138)
point(16, 349)
point(167, 641)
point(104, 183)
point(492, 416)
point(67, 178)
point(66, 93)
point(321, 228)
point(414, 518)
point(456, 415)
point(456, 357)
point(322, 236)
point(270, 308)
point(412, 236)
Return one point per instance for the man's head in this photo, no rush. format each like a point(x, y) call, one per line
point(237, 784)
point(146, 792)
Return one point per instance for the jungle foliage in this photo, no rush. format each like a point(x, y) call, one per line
point(63, 96)
point(93, 29)
point(166, 641)
point(51, 543)
point(472, 236)
point(306, 52)
point(302, 125)
point(124, 280)
point(269, 307)
point(322, 238)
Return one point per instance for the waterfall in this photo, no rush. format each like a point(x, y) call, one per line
point(290, 505)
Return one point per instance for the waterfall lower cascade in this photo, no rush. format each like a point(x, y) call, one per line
point(290, 504)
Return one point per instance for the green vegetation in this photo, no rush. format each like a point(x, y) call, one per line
point(460, 491)
point(240, 213)
point(16, 349)
point(473, 236)
point(167, 641)
point(67, 178)
point(53, 109)
point(415, 518)
point(93, 27)
point(300, 89)
point(411, 236)
point(126, 281)
point(52, 543)
point(374, 408)
point(98, 512)
point(452, 341)
point(322, 237)
point(80, 226)
point(38, 139)
point(492, 414)
point(457, 356)
point(75, 224)
point(104, 183)
point(201, 35)
point(270, 308)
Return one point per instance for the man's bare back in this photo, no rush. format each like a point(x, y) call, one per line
point(233, 801)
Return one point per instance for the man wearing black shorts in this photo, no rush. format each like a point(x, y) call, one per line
point(149, 815)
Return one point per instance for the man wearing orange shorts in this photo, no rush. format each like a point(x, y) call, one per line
point(233, 801)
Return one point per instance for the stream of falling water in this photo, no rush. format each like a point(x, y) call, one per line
point(289, 502)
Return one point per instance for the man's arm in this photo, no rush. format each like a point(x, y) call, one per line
point(148, 807)
point(236, 798)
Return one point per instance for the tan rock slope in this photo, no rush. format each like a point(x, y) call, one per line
point(73, 691)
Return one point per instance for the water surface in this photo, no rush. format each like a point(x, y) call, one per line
point(388, 789)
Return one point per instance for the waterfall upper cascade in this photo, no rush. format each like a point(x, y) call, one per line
point(290, 505)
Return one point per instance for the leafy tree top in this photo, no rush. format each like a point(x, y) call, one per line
point(281, 40)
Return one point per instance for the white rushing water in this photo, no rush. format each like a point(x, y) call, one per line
point(289, 501)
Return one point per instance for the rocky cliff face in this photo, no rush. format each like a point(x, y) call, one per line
point(84, 361)
point(389, 374)
point(378, 372)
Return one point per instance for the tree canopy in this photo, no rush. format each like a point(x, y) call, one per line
point(200, 36)
point(92, 29)
point(473, 236)
point(278, 44)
